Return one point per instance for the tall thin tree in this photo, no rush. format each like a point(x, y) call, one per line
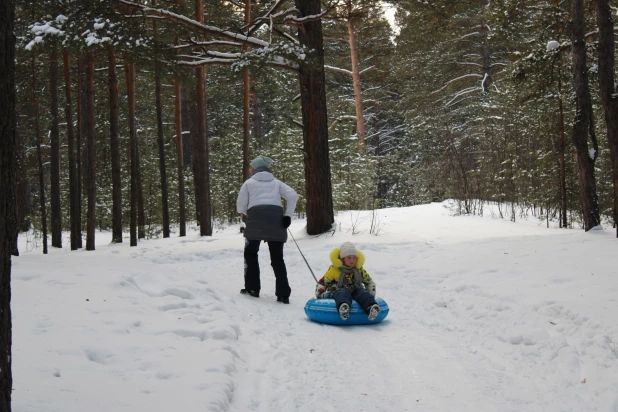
point(114, 146)
point(200, 154)
point(608, 90)
point(8, 224)
point(91, 161)
point(583, 127)
point(130, 80)
point(320, 215)
point(356, 82)
point(38, 137)
point(161, 142)
point(245, 104)
point(180, 159)
point(73, 180)
point(56, 218)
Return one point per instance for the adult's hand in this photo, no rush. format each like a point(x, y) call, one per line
point(286, 222)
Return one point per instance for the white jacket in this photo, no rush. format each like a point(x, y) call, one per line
point(263, 189)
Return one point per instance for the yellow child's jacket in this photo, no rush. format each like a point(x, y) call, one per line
point(329, 281)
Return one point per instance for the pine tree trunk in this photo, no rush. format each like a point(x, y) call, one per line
point(356, 82)
point(583, 122)
point(133, 145)
point(114, 147)
point(161, 143)
point(192, 108)
point(200, 155)
point(22, 189)
point(187, 123)
point(8, 224)
point(320, 216)
point(81, 107)
point(562, 152)
point(73, 191)
point(608, 90)
point(135, 166)
point(90, 163)
point(258, 135)
point(180, 160)
point(245, 105)
point(56, 219)
point(37, 136)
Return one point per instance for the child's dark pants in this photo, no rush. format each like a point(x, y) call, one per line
point(361, 296)
point(252, 267)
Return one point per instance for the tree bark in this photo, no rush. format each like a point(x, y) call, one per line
point(356, 82)
point(160, 139)
point(180, 160)
point(81, 107)
point(130, 80)
point(56, 219)
point(608, 90)
point(200, 155)
point(90, 163)
point(583, 122)
point(37, 136)
point(562, 150)
point(8, 224)
point(245, 105)
point(320, 216)
point(258, 135)
point(114, 147)
point(192, 109)
point(161, 144)
point(68, 112)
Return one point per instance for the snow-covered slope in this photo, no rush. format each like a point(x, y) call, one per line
point(485, 315)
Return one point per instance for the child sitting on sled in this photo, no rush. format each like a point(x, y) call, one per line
point(346, 280)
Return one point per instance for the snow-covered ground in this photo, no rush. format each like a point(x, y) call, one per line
point(485, 315)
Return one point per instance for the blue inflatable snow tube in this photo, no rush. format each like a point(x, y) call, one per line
point(324, 311)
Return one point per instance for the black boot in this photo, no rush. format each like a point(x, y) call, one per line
point(254, 293)
point(284, 300)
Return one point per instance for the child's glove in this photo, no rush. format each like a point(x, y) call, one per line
point(371, 288)
point(321, 292)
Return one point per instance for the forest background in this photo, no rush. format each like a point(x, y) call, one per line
point(474, 101)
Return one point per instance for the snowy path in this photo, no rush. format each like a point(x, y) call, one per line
point(485, 315)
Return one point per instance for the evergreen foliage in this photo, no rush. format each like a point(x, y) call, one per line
point(463, 102)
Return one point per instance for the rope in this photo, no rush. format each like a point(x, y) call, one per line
point(301, 253)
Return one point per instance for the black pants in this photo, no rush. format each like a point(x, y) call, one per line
point(252, 267)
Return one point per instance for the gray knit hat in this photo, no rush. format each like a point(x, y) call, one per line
point(261, 161)
point(347, 249)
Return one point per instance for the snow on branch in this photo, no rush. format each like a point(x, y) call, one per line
point(307, 19)
point(454, 80)
point(254, 27)
point(461, 93)
point(282, 17)
point(199, 62)
point(468, 35)
point(203, 28)
point(337, 69)
point(195, 43)
point(470, 64)
point(367, 69)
